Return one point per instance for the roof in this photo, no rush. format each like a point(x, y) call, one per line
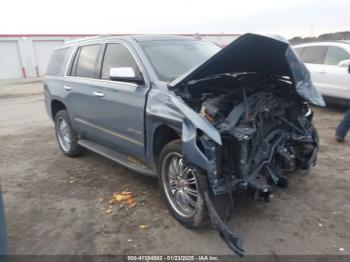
point(142, 38)
point(88, 35)
point(321, 43)
point(138, 38)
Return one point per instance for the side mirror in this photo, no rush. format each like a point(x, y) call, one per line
point(125, 74)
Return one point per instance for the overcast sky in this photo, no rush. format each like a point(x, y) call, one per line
point(286, 18)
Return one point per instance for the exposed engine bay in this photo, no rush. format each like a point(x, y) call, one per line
point(265, 126)
point(252, 99)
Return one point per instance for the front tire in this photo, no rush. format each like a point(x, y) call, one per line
point(66, 136)
point(181, 187)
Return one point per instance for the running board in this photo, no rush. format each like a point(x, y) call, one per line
point(128, 162)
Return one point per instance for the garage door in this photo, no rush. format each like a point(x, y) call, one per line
point(10, 61)
point(43, 51)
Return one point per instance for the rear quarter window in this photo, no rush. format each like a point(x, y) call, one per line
point(57, 62)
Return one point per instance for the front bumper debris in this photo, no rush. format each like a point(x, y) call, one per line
point(234, 241)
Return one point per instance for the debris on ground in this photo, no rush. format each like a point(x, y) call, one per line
point(131, 202)
point(72, 180)
point(341, 249)
point(123, 196)
point(124, 199)
point(336, 212)
point(142, 226)
point(112, 201)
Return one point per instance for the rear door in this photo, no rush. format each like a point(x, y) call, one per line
point(79, 87)
point(118, 107)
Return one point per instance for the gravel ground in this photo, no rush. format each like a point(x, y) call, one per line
point(57, 205)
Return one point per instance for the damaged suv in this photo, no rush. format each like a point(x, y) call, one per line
point(206, 121)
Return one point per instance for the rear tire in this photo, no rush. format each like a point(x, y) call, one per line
point(181, 187)
point(66, 136)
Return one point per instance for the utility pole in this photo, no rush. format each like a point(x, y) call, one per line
point(312, 31)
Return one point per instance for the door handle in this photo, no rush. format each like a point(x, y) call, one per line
point(68, 88)
point(322, 72)
point(98, 94)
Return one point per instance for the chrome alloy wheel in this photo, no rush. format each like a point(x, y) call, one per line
point(63, 134)
point(180, 184)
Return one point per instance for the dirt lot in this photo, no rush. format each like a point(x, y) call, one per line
point(57, 205)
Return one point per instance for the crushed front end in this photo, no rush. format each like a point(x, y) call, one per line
point(256, 93)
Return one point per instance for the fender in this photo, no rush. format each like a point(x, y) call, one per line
point(165, 108)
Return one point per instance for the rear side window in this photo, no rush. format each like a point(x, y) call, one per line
point(56, 62)
point(314, 54)
point(299, 50)
point(85, 61)
point(117, 55)
point(334, 55)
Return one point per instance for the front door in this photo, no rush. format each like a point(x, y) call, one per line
point(118, 107)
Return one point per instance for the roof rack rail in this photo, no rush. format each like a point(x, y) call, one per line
point(104, 35)
point(88, 38)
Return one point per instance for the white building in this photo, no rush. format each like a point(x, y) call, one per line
point(26, 56)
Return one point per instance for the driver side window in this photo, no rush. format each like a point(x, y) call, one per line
point(117, 55)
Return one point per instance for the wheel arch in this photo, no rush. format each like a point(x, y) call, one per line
point(56, 106)
point(163, 135)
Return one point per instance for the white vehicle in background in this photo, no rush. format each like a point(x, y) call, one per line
point(329, 65)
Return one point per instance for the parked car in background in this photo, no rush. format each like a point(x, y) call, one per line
point(329, 65)
point(206, 121)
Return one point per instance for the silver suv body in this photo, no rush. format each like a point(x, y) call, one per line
point(205, 121)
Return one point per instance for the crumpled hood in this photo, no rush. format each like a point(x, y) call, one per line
point(256, 53)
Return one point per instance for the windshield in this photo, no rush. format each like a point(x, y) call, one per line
point(171, 59)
